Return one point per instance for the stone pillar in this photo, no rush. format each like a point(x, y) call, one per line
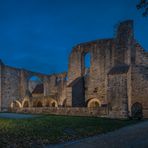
point(69, 96)
point(23, 84)
point(46, 85)
point(74, 71)
point(124, 52)
point(75, 64)
point(129, 89)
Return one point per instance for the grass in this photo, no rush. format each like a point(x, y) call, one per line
point(35, 132)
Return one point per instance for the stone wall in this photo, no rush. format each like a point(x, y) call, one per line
point(139, 85)
point(14, 85)
point(101, 62)
point(141, 55)
point(10, 86)
point(75, 111)
point(124, 51)
point(117, 76)
point(139, 79)
point(118, 95)
point(105, 54)
point(78, 95)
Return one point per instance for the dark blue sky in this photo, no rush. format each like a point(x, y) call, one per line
point(39, 34)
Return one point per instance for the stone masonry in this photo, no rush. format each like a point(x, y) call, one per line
point(116, 79)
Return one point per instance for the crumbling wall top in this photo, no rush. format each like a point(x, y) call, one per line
point(81, 47)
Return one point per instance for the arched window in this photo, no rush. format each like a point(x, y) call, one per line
point(35, 85)
point(58, 80)
point(87, 63)
point(87, 60)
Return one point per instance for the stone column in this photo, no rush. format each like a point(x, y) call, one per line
point(124, 52)
point(23, 84)
point(69, 96)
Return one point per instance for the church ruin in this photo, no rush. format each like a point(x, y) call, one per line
point(116, 80)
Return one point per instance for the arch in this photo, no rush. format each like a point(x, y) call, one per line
point(33, 82)
point(25, 103)
point(54, 103)
point(50, 102)
point(137, 110)
point(15, 104)
point(93, 103)
point(39, 104)
point(12, 104)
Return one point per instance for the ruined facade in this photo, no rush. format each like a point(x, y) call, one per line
point(117, 78)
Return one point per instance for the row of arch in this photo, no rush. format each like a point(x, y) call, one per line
point(91, 103)
point(53, 103)
point(37, 103)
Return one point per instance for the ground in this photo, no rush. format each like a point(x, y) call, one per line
point(17, 130)
point(16, 116)
point(135, 136)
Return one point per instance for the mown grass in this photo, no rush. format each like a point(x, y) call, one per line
point(35, 132)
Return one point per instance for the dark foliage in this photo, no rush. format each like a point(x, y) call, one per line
point(143, 5)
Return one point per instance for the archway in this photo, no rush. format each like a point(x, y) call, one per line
point(25, 103)
point(94, 103)
point(51, 103)
point(16, 104)
point(39, 104)
point(35, 85)
point(137, 110)
point(54, 103)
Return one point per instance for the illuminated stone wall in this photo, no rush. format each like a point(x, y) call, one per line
point(116, 79)
point(14, 85)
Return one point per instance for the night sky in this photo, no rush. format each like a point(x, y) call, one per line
point(39, 34)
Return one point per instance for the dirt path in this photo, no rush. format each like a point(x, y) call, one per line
point(16, 116)
point(135, 136)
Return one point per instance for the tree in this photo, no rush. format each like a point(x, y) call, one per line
point(143, 5)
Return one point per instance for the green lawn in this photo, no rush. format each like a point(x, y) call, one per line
point(47, 129)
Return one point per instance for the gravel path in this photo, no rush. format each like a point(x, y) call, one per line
point(15, 115)
point(135, 136)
